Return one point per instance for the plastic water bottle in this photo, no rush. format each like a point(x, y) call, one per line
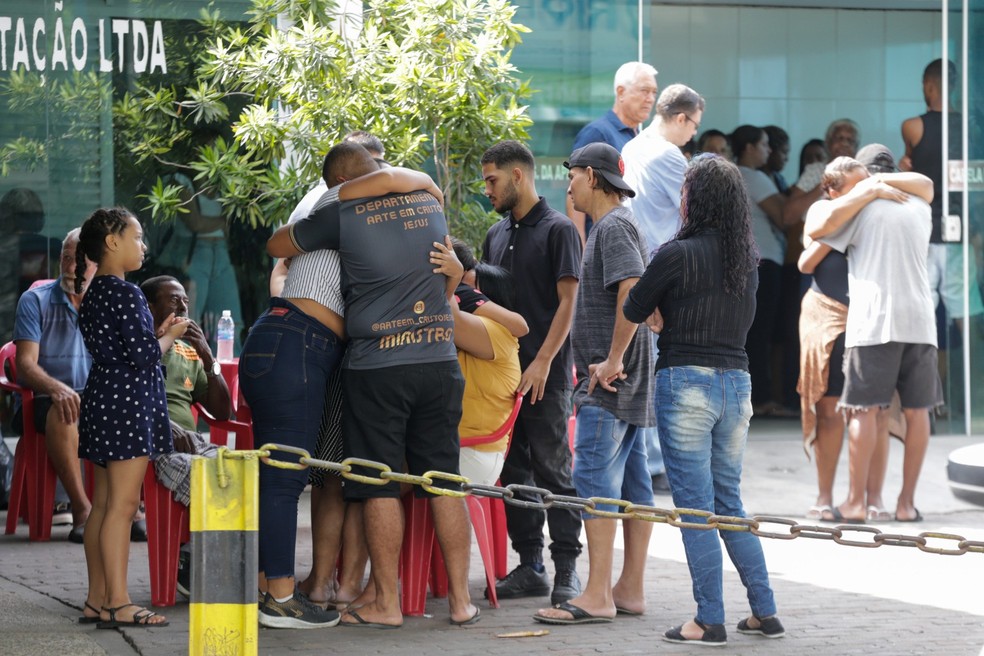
point(226, 336)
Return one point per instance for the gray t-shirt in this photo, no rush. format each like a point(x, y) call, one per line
point(886, 245)
point(615, 250)
point(396, 307)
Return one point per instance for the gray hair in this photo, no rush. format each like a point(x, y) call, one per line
point(678, 99)
point(72, 236)
point(628, 72)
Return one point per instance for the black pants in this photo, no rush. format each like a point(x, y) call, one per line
point(758, 344)
point(540, 455)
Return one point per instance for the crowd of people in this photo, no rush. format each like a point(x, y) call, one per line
point(652, 307)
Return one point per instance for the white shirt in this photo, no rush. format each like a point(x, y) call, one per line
point(654, 169)
point(887, 245)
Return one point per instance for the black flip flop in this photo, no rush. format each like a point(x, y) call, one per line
point(578, 616)
point(917, 518)
point(141, 619)
point(471, 620)
point(839, 518)
point(360, 623)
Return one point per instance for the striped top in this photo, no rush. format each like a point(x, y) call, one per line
point(316, 275)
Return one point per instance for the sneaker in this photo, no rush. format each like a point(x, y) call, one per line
point(62, 515)
point(295, 613)
point(769, 627)
point(567, 585)
point(184, 573)
point(524, 581)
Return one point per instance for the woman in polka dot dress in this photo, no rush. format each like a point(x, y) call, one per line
point(124, 419)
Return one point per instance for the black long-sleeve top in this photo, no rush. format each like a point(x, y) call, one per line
point(703, 325)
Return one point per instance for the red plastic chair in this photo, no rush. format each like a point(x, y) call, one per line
point(167, 519)
point(421, 560)
point(32, 489)
point(167, 530)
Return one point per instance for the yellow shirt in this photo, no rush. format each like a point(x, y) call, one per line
point(490, 387)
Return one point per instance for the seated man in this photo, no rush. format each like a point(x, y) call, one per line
point(192, 376)
point(52, 361)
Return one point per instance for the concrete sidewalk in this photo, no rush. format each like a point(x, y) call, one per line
point(832, 599)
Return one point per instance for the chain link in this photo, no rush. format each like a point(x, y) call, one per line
point(538, 498)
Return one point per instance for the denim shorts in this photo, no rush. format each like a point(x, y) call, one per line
point(610, 459)
point(873, 373)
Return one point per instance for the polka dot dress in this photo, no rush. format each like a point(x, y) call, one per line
point(124, 407)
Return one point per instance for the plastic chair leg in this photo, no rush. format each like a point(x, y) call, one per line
point(439, 573)
point(167, 524)
point(41, 481)
point(415, 557)
point(483, 536)
point(500, 536)
point(17, 503)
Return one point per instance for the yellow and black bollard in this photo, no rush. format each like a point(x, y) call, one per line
point(224, 529)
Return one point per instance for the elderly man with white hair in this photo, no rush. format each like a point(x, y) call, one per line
point(635, 97)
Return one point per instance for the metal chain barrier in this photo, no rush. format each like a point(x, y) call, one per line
point(866, 537)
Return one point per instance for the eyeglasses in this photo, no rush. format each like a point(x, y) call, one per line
point(696, 124)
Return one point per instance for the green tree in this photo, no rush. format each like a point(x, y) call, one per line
point(432, 78)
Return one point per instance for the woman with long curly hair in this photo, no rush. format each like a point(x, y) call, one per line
point(701, 287)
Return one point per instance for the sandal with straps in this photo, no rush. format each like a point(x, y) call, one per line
point(85, 619)
point(141, 618)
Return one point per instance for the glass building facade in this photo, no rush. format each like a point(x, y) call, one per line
point(62, 65)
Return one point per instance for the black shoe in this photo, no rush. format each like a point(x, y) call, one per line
point(715, 635)
point(184, 573)
point(138, 531)
point(295, 613)
point(524, 581)
point(567, 585)
point(77, 534)
point(661, 485)
point(769, 627)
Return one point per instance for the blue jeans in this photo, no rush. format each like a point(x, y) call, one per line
point(285, 365)
point(610, 459)
point(655, 456)
point(703, 418)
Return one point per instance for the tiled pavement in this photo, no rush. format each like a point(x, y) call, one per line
point(832, 599)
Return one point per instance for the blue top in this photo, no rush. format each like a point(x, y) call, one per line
point(608, 129)
point(46, 316)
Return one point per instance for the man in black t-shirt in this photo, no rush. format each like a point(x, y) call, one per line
point(403, 385)
point(542, 250)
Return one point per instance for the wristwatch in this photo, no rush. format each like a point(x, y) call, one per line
point(216, 368)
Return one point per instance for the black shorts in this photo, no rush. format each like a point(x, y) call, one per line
point(42, 404)
point(407, 413)
point(873, 373)
point(835, 368)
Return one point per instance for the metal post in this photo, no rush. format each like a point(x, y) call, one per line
point(224, 530)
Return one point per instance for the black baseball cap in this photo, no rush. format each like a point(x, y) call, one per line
point(605, 161)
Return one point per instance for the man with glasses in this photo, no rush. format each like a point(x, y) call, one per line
point(635, 96)
point(654, 168)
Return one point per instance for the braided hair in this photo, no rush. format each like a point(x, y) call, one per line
point(92, 239)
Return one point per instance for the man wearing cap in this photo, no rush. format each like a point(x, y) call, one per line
point(654, 168)
point(635, 96)
point(542, 250)
point(614, 391)
point(882, 221)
